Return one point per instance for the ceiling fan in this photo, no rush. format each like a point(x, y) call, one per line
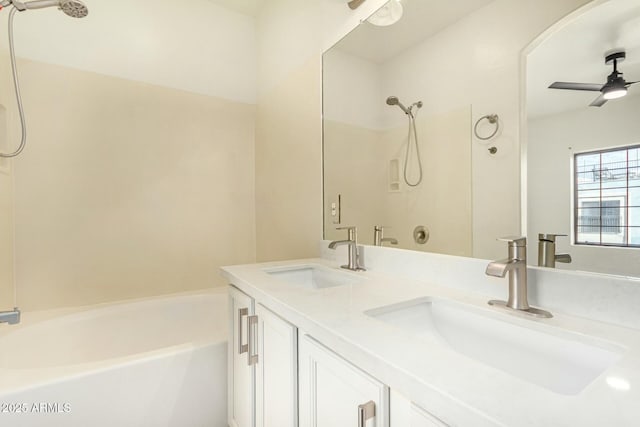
point(615, 87)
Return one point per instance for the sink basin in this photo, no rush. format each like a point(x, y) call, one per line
point(313, 276)
point(558, 360)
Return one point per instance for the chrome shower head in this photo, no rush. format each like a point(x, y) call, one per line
point(393, 100)
point(73, 8)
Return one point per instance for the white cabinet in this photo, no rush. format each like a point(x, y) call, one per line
point(404, 413)
point(334, 393)
point(241, 379)
point(262, 366)
point(277, 375)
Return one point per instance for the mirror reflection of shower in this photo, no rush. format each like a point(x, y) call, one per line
point(72, 8)
point(412, 134)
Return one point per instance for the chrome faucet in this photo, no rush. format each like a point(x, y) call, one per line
point(10, 317)
point(547, 256)
point(354, 262)
point(516, 266)
point(378, 236)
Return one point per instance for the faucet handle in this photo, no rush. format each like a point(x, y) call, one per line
point(517, 241)
point(549, 237)
point(352, 231)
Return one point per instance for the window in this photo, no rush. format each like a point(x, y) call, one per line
point(607, 197)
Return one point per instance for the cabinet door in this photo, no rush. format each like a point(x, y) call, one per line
point(277, 371)
point(241, 379)
point(404, 413)
point(332, 391)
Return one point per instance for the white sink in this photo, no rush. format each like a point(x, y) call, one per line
point(558, 360)
point(313, 276)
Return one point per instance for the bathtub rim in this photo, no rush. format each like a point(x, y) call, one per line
point(21, 379)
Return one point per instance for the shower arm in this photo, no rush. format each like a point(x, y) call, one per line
point(36, 4)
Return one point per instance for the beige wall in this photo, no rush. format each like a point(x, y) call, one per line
point(289, 168)
point(355, 168)
point(128, 189)
point(8, 143)
point(442, 201)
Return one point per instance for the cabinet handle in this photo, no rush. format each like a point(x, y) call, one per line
point(242, 348)
point(252, 339)
point(366, 411)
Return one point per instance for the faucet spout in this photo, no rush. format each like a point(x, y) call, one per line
point(11, 317)
point(502, 267)
point(337, 243)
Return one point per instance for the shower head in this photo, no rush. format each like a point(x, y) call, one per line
point(73, 8)
point(393, 100)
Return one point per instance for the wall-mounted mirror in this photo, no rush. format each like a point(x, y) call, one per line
point(463, 60)
point(583, 142)
point(393, 156)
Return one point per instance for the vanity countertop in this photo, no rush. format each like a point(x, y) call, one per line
point(459, 390)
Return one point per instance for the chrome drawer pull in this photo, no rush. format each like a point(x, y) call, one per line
point(252, 325)
point(366, 411)
point(242, 348)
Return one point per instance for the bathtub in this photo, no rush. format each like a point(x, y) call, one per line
point(154, 362)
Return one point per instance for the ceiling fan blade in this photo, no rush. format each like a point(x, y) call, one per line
point(593, 87)
point(599, 101)
point(631, 83)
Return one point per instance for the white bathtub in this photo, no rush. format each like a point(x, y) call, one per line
point(155, 362)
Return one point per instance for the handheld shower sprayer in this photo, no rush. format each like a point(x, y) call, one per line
point(413, 132)
point(73, 8)
point(393, 100)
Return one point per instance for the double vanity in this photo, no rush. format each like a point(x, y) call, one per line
point(413, 342)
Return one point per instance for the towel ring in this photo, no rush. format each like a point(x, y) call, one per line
point(491, 118)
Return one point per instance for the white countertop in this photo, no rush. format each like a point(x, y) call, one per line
point(455, 388)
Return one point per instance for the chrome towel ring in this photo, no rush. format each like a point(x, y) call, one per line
point(491, 118)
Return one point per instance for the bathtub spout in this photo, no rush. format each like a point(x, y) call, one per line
point(10, 317)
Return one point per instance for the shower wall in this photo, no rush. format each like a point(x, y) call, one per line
point(6, 187)
point(128, 189)
point(138, 177)
point(364, 139)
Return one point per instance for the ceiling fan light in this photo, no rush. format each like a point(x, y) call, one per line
point(614, 93)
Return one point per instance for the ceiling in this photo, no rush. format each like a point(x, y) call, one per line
point(421, 20)
point(575, 53)
point(246, 7)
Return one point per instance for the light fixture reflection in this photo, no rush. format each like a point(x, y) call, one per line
point(615, 93)
point(618, 383)
point(387, 15)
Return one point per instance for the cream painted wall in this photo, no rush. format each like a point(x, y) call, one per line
point(353, 91)
point(128, 189)
point(7, 144)
point(552, 142)
point(192, 45)
point(442, 202)
point(288, 171)
point(355, 168)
